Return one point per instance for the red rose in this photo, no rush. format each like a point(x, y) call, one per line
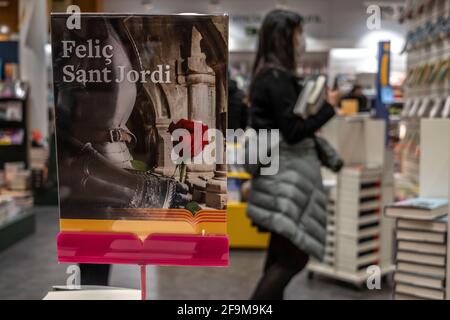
point(195, 138)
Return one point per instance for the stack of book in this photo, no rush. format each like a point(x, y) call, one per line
point(359, 219)
point(421, 248)
point(11, 111)
point(330, 247)
point(22, 199)
point(21, 181)
point(38, 158)
point(7, 208)
point(12, 137)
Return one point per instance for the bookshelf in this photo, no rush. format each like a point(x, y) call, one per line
point(17, 219)
point(425, 117)
point(435, 169)
point(14, 142)
point(357, 233)
point(428, 77)
point(447, 284)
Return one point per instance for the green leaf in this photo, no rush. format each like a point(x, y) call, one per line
point(193, 207)
point(139, 165)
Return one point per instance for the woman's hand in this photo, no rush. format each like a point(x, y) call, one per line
point(333, 97)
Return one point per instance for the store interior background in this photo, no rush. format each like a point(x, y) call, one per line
point(339, 43)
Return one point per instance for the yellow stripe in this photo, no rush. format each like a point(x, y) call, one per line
point(142, 228)
point(239, 175)
point(384, 70)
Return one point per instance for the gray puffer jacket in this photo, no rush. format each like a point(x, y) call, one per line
point(293, 202)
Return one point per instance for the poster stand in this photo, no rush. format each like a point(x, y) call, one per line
point(123, 204)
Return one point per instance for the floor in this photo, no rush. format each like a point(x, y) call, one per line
point(29, 269)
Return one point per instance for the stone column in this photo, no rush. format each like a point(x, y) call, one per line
point(200, 81)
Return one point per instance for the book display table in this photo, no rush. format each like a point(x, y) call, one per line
point(358, 236)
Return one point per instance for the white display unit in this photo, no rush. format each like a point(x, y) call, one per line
point(434, 158)
point(360, 140)
point(434, 177)
point(435, 167)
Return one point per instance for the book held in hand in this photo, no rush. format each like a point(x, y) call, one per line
point(311, 97)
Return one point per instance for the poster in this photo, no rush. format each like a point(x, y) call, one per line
point(123, 85)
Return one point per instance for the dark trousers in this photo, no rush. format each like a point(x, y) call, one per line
point(284, 260)
point(94, 274)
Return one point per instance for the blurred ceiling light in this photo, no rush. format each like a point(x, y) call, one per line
point(148, 4)
point(4, 29)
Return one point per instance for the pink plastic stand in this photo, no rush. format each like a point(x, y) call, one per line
point(143, 282)
point(157, 249)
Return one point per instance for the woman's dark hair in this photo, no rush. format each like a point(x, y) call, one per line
point(275, 47)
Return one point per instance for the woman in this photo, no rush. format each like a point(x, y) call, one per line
point(292, 203)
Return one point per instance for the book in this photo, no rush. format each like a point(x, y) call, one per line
point(93, 293)
point(129, 91)
point(22, 198)
point(437, 108)
point(446, 110)
point(358, 219)
point(11, 137)
point(439, 225)
point(311, 97)
point(419, 291)
point(12, 169)
point(420, 269)
point(301, 107)
point(402, 296)
point(11, 111)
point(421, 236)
point(420, 247)
point(418, 208)
point(420, 281)
point(8, 208)
point(419, 258)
